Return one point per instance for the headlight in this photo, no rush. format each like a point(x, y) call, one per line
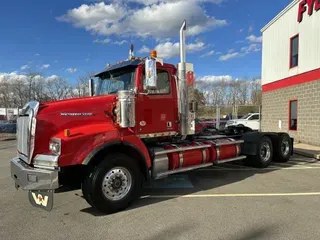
point(55, 146)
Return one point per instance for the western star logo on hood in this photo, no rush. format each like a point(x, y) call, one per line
point(75, 114)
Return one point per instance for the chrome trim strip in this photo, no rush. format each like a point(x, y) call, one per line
point(204, 156)
point(160, 134)
point(218, 153)
point(231, 159)
point(180, 160)
point(229, 143)
point(179, 170)
point(182, 149)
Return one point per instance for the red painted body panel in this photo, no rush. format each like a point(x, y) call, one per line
point(157, 109)
point(190, 158)
point(84, 140)
point(87, 131)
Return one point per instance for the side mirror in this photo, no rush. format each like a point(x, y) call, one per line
point(91, 87)
point(150, 73)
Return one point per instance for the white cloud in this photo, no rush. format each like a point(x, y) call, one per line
point(120, 42)
point(251, 48)
point(108, 40)
point(118, 19)
point(52, 77)
point(45, 66)
point(104, 41)
point(55, 61)
point(72, 70)
point(229, 56)
point(231, 50)
point(37, 54)
point(218, 53)
point(144, 49)
point(254, 39)
point(24, 67)
point(208, 54)
point(170, 49)
point(213, 79)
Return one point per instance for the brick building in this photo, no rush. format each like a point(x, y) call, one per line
point(291, 72)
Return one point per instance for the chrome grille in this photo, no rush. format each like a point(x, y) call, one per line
point(25, 143)
point(23, 135)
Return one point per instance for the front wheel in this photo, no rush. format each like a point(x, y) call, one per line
point(113, 184)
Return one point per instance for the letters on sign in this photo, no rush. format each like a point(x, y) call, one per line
point(311, 5)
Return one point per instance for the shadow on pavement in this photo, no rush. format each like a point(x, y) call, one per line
point(194, 182)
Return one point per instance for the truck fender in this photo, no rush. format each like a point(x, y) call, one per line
point(126, 146)
point(251, 139)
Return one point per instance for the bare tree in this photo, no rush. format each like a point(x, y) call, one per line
point(58, 88)
point(81, 87)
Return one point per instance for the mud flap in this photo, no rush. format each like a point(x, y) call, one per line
point(41, 199)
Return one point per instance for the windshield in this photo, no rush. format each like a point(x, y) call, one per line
point(246, 116)
point(115, 80)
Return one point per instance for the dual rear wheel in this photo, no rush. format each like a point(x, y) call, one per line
point(277, 149)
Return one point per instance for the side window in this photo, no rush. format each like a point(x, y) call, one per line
point(254, 117)
point(294, 51)
point(163, 83)
point(293, 115)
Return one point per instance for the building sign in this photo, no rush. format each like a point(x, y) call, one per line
point(310, 5)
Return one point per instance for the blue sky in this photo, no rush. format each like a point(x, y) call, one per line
point(70, 38)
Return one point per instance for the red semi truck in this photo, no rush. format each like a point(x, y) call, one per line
point(133, 129)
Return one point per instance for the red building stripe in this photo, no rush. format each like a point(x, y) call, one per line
point(291, 81)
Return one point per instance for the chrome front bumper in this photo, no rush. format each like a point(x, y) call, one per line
point(29, 178)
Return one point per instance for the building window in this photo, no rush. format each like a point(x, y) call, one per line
point(294, 51)
point(293, 115)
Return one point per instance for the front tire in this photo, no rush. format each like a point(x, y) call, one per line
point(113, 184)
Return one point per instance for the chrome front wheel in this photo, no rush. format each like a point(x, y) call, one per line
point(117, 183)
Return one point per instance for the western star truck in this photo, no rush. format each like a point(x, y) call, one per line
point(137, 125)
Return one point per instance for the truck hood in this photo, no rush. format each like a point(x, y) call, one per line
point(55, 117)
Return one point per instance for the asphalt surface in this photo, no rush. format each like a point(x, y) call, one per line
point(226, 202)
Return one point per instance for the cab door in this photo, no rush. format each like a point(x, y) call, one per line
point(157, 110)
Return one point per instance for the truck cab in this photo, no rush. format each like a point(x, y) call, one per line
point(156, 110)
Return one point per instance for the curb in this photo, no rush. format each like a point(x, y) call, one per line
point(307, 154)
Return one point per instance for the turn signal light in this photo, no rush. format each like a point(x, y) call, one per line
point(153, 53)
point(67, 132)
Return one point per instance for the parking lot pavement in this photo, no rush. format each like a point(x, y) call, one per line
point(226, 202)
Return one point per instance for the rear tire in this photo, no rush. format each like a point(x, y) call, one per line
point(264, 154)
point(113, 184)
point(282, 149)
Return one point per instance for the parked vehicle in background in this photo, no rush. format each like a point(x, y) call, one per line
point(251, 120)
point(8, 126)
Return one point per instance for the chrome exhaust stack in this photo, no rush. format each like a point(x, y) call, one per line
point(185, 89)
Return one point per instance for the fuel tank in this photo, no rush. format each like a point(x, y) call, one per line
point(219, 149)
